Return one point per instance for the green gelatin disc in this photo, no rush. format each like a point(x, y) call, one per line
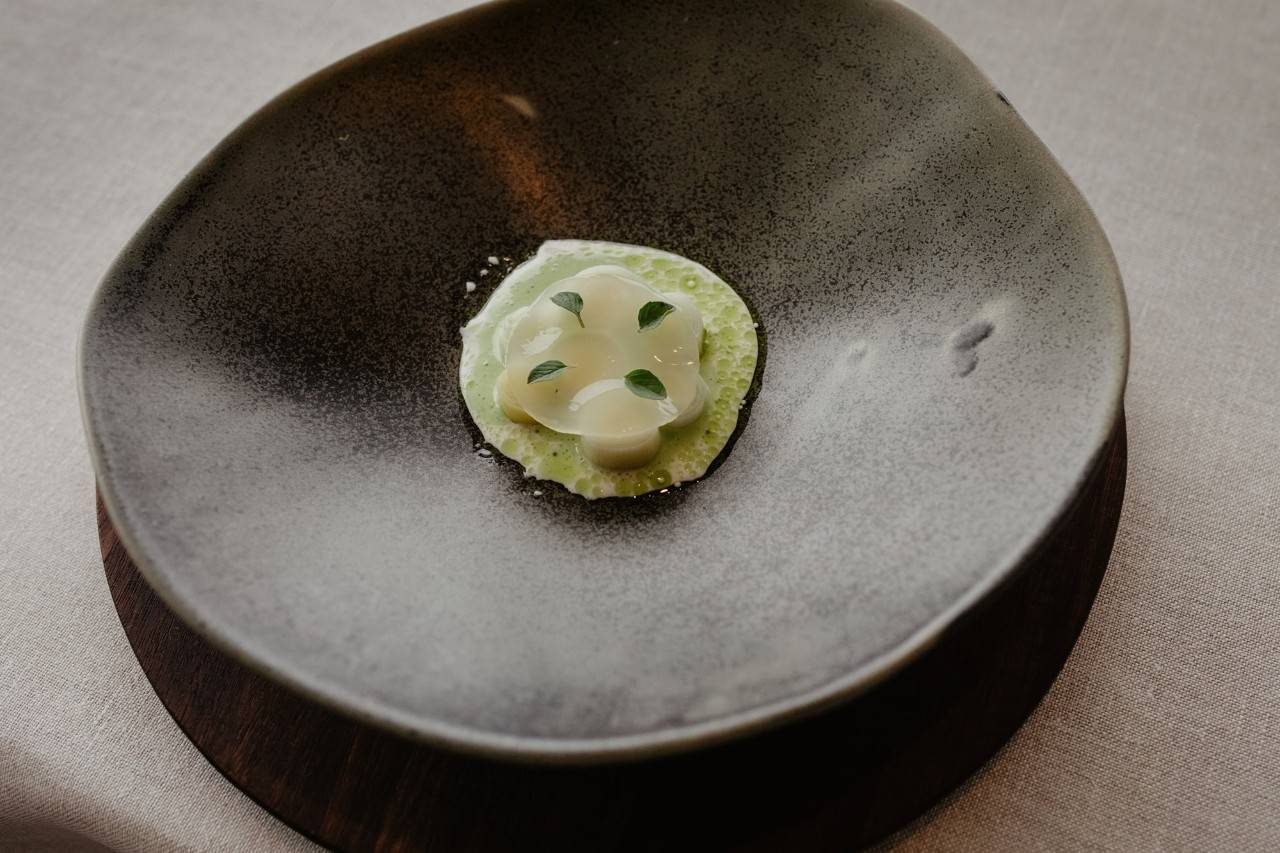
point(728, 364)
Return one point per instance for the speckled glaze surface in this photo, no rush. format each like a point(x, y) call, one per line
point(269, 371)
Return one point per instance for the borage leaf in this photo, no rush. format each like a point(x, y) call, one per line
point(571, 302)
point(547, 370)
point(651, 313)
point(642, 383)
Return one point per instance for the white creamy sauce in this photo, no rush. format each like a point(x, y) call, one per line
point(599, 346)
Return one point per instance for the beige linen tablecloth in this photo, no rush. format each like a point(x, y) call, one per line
point(1163, 731)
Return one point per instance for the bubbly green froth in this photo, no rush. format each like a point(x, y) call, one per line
point(728, 364)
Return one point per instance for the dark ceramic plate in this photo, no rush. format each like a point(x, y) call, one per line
point(268, 372)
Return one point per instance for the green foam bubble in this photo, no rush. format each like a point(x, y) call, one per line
point(728, 364)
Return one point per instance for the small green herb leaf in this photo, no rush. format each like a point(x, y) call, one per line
point(642, 383)
point(547, 370)
point(651, 313)
point(571, 302)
